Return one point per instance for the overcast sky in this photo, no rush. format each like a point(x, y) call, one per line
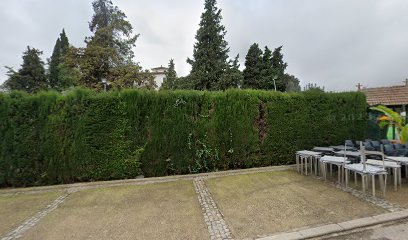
point(333, 43)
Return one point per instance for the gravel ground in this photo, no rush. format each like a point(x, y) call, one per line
point(156, 211)
point(261, 204)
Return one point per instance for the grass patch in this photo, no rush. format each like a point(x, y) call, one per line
point(15, 209)
point(155, 211)
point(265, 203)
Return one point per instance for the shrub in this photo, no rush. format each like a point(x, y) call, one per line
point(50, 138)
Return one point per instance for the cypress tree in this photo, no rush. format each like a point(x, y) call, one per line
point(170, 78)
point(210, 52)
point(31, 76)
point(279, 67)
point(267, 77)
point(253, 67)
point(54, 75)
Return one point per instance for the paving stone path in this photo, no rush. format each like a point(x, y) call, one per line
point(380, 202)
point(217, 227)
point(31, 222)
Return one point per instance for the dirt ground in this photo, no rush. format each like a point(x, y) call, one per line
point(400, 196)
point(155, 211)
point(15, 209)
point(265, 203)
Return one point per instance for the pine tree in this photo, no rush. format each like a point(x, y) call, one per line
point(210, 50)
point(170, 78)
point(55, 80)
point(31, 76)
point(253, 67)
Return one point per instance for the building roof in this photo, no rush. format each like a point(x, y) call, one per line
point(388, 96)
point(159, 68)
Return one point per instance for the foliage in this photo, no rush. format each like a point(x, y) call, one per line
point(210, 52)
point(186, 82)
point(81, 135)
point(253, 66)
point(108, 53)
point(265, 70)
point(313, 87)
point(57, 73)
point(170, 78)
point(278, 68)
point(393, 118)
point(232, 77)
point(31, 76)
point(292, 83)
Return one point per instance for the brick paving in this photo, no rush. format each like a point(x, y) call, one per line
point(216, 225)
point(379, 202)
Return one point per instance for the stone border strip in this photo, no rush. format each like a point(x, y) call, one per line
point(141, 181)
point(216, 225)
point(31, 222)
point(380, 202)
point(339, 227)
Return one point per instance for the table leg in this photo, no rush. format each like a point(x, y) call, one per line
point(355, 178)
point(373, 184)
point(399, 176)
point(306, 164)
point(347, 176)
point(331, 170)
point(363, 182)
point(395, 179)
point(297, 163)
point(338, 174)
point(301, 165)
point(385, 184)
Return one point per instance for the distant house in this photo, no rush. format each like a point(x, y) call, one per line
point(394, 97)
point(159, 74)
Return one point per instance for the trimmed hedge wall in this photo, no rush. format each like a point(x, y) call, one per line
point(50, 138)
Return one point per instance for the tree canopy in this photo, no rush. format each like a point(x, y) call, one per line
point(31, 76)
point(210, 52)
point(55, 77)
point(170, 78)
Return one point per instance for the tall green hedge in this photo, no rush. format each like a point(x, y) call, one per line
point(50, 138)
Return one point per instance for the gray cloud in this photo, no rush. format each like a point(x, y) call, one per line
point(334, 43)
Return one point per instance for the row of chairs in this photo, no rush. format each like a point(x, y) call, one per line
point(390, 149)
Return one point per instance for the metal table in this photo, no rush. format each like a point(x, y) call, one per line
point(389, 165)
point(323, 149)
point(401, 161)
point(342, 147)
point(367, 170)
point(305, 159)
point(333, 160)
